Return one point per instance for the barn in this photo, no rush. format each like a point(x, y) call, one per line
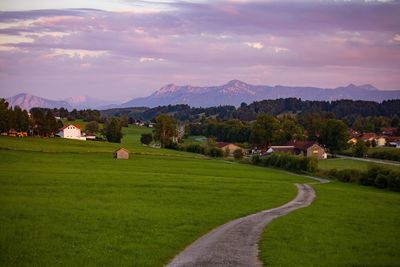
point(121, 153)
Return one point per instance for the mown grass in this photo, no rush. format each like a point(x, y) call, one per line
point(347, 225)
point(77, 206)
point(69, 203)
point(131, 141)
point(342, 163)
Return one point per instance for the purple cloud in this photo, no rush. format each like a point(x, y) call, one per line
point(88, 51)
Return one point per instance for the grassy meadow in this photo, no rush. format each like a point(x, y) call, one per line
point(70, 203)
point(347, 225)
point(342, 163)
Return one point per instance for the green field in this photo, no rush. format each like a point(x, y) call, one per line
point(341, 164)
point(76, 205)
point(347, 225)
point(70, 203)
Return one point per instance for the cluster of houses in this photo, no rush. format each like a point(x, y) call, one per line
point(387, 137)
point(304, 148)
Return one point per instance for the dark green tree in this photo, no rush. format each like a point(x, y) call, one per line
point(146, 138)
point(289, 130)
point(360, 149)
point(113, 130)
point(4, 116)
point(21, 119)
point(165, 130)
point(92, 127)
point(334, 135)
point(264, 130)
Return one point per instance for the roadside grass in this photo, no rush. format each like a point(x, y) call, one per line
point(86, 208)
point(341, 164)
point(347, 225)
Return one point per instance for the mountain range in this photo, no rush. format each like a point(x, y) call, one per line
point(234, 93)
point(27, 101)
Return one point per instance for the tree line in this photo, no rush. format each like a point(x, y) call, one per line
point(347, 110)
point(40, 122)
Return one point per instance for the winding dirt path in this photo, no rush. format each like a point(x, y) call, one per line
point(236, 242)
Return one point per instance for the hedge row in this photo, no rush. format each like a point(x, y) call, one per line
point(214, 152)
point(287, 162)
point(388, 155)
point(377, 176)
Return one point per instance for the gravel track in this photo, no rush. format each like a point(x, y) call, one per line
point(236, 242)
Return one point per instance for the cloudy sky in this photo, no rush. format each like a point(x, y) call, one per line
point(118, 49)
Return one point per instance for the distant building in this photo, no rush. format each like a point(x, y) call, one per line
point(352, 141)
point(226, 146)
point(121, 153)
point(393, 141)
point(372, 137)
point(390, 131)
point(380, 141)
point(71, 132)
point(368, 137)
point(281, 149)
point(308, 149)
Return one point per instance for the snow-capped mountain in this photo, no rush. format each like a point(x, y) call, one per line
point(235, 92)
point(27, 101)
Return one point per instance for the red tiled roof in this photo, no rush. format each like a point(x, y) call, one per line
point(77, 126)
point(221, 144)
point(392, 138)
point(303, 145)
point(368, 136)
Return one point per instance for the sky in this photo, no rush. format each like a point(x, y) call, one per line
point(120, 49)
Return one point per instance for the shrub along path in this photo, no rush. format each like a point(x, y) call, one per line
point(236, 242)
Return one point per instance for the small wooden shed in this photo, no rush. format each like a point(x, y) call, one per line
point(121, 153)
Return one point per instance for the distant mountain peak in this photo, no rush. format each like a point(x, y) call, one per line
point(169, 88)
point(368, 87)
point(235, 92)
point(236, 83)
point(27, 101)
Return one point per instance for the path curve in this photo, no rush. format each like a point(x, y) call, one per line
point(236, 242)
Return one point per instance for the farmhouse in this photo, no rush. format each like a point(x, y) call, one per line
point(308, 149)
point(121, 153)
point(393, 141)
point(71, 132)
point(372, 137)
point(228, 147)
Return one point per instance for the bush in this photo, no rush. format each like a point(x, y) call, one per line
point(238, 154)
point(195, 148)
point(172, 145)
point(146, 138)
point(381, 181)
point(348, 175)
point(287, 162)
point(381, 177)
point(387, 154)
point(255, 159)
point(215, 152)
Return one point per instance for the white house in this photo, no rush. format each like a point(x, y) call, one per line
point(71, 132)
